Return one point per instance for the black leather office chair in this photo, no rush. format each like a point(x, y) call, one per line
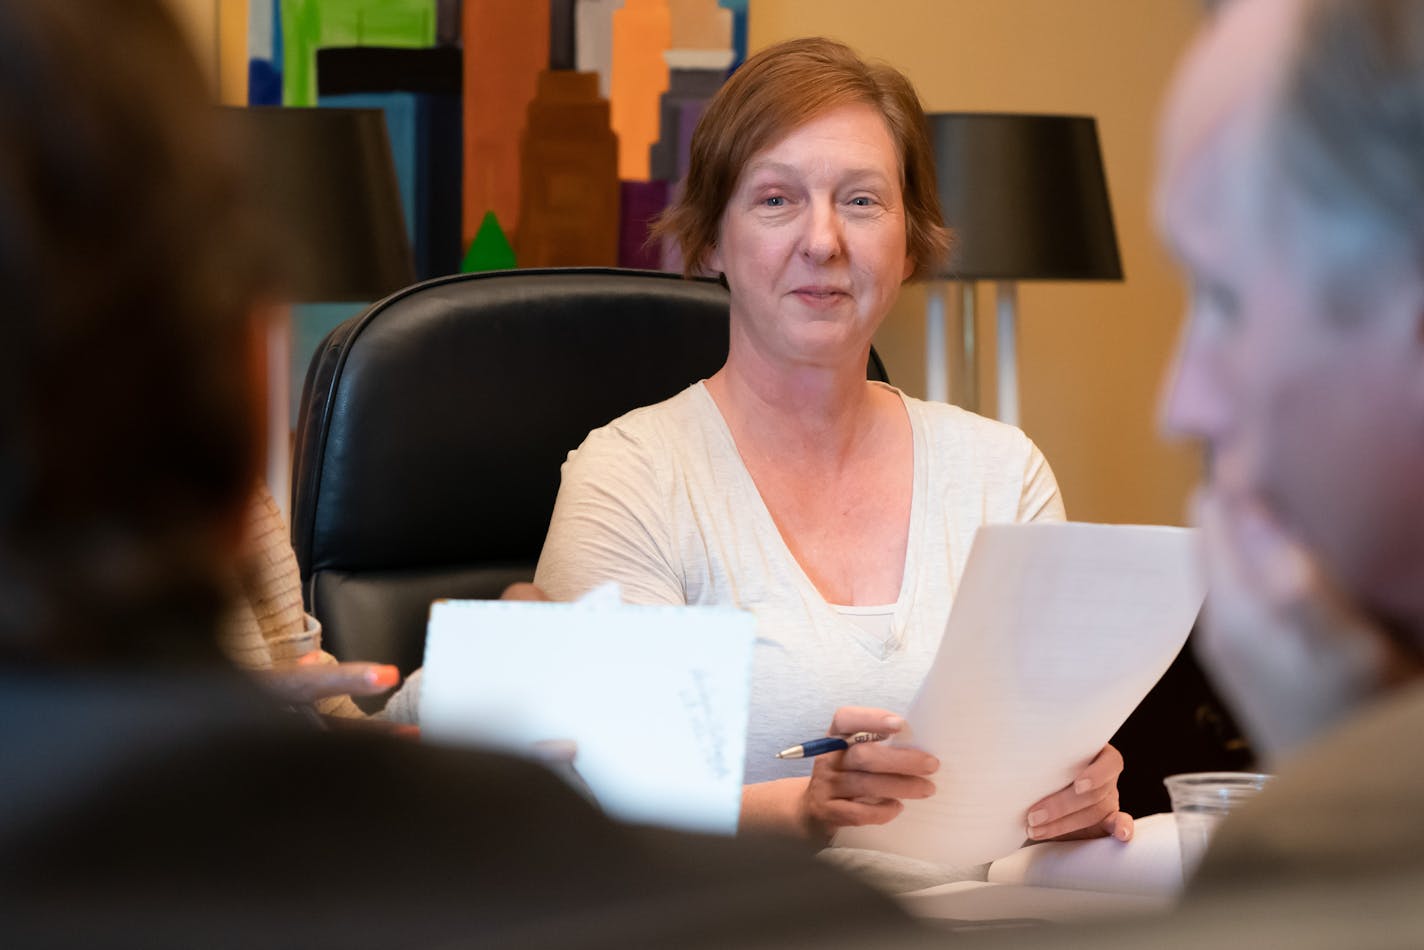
point(433, 427)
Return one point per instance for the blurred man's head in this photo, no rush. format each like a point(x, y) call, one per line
point(1292, 189)
point(130, 275)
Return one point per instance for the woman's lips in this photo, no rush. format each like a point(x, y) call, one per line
point(819, 295)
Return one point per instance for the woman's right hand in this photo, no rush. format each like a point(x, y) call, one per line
point(867, 783)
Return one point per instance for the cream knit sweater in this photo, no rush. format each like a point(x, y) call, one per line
point(267, 625)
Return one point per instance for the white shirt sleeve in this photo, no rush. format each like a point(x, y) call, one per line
point(1041, 500)
point(611, 523)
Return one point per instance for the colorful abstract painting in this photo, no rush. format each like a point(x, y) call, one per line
point(559, 126)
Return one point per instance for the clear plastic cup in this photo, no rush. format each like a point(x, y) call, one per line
point(1200, 800)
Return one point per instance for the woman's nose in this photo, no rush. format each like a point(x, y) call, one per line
point(823, 239)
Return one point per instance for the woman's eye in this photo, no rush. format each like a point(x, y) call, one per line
point(775, 201)
point(861, 201)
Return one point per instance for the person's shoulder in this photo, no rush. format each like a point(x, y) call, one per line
point(415, 845)
point(1347, 803)
point(1377, 726)
point(246, 797)
point(653, 427)
point(1359, 761)
point(944, 422)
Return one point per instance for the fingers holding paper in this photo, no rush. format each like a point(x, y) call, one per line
point(523, 590)
point(867, 783)
point(1088, 808)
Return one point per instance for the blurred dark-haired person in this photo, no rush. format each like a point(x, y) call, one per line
point(150, 795)
point(839, 511)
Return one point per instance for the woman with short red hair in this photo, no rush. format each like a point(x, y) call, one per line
point(838, 510)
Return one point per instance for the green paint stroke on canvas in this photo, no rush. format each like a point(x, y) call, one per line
point(490, 249)
point(309, 25)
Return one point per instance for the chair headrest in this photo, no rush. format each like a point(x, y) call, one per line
point(434, 425)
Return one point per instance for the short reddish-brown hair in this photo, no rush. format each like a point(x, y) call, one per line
point(776, 91)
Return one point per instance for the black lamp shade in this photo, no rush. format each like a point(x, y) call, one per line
point(1026, 197)
point(327, 181)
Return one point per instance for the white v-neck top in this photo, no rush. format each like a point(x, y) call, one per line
point(660, 501)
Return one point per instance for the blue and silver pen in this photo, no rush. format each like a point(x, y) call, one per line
point(827, 744)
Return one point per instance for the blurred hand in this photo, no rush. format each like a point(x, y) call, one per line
point(865, 784)
point(523, 591)
point(312, 676)
point(1289, 651)
point(1085, 809)
point(370, 724)
point(556, 751)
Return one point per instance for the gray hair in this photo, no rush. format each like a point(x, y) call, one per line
point(1347, 142)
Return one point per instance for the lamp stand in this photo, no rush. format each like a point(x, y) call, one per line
point(1008, 382)
point(937, 368)
point(279, 409)
point(936, 372)
point(969, 348)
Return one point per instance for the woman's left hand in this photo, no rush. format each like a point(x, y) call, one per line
point(1085, 809)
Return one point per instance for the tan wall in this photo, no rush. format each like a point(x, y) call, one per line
point(1091, 356)
point(218, 29)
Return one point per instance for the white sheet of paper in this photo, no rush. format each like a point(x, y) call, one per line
point(1056, 634)
point(656, 698)
point(1150, 864)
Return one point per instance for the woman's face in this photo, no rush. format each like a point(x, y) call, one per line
point(812, 241)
